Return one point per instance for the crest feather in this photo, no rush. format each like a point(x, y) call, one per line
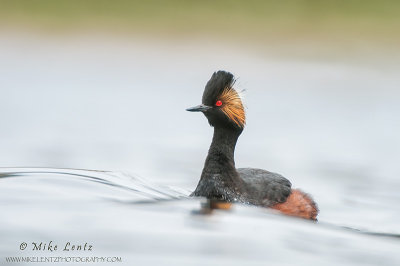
point(232, 106)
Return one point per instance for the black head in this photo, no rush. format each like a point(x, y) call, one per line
point(221, 104)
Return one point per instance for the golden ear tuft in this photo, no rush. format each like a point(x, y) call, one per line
point(232, 106)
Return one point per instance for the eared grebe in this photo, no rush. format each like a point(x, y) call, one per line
point(220, 180)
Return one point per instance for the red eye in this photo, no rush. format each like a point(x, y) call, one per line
point(218, 103)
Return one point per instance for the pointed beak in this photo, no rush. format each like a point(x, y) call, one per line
point(199, 108)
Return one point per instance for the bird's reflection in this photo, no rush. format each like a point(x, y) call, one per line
point(210, 205)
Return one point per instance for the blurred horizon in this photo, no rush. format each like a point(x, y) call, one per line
point(296, 28)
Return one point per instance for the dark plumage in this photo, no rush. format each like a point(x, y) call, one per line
point(214, 87)
point(220, 179)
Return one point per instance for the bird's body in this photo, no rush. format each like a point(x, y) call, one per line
point(220, 179)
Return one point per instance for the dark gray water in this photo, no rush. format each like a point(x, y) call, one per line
point(331, 127)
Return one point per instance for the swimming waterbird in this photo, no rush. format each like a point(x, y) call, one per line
point(220, 180)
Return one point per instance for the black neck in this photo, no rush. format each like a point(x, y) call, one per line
point(219, 172)
point(223, 144)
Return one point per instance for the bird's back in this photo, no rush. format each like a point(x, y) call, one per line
point(273, 190)
point(264, 187)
